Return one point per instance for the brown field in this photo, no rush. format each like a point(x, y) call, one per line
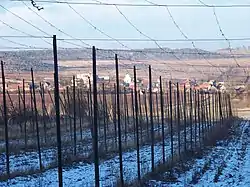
point(198, 69)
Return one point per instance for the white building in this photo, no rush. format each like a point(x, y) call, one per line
point(127, 79)
point(104, 77)
point(84, 77)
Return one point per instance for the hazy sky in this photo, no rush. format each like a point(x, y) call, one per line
point(153, 21)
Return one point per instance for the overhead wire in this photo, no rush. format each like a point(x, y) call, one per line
point(52, 25)
point(96, 28)
point(73, 38)
point(34, 26)
point(221, 31)
point(13, 28)
point(226, 39)
point(14, 42)
point(24, 48)
point(68, 34)
point(185, 36)
point(14, 14)
point(28, 34)
point(110, 4)
point(151, 38)
point(159, 40)
point(140, 4)
point(157, 44)
point(87, 21)
point(58, 29)
point(99, 30)
point(18, 43)
point(140, 40)
point(20, 31)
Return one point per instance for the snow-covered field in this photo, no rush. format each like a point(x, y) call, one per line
point(227, 164)
point(28, 161)
point(24, 161)
point(234, 152)
point(83, 174)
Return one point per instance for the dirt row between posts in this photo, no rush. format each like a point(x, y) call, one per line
point(226, 163)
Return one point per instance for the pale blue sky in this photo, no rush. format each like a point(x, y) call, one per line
point(154, 21)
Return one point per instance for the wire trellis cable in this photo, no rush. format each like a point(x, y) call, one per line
point(13, 28)
point(186, 37)
point(99, 30)
point(222, 33)
point(58, 29)
point(145, 35)
point(116, 39)
point(34, 26)
point(229, 45)
point(14, 14)
point(22, 32)
point(17, 43)
point(23, 48)
point(52, 25)
point(227, 40)
point(134, 39)
point(140, 4)
point(26, 47)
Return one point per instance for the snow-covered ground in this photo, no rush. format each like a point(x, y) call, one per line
point(83, 174)
point(28, 161)
point(24, 161)
point(227, 164)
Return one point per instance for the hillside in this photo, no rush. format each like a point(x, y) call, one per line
point(41, 60)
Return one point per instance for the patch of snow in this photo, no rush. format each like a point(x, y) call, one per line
point(233, 158)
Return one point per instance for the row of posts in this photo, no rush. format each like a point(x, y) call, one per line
point(217, 105)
